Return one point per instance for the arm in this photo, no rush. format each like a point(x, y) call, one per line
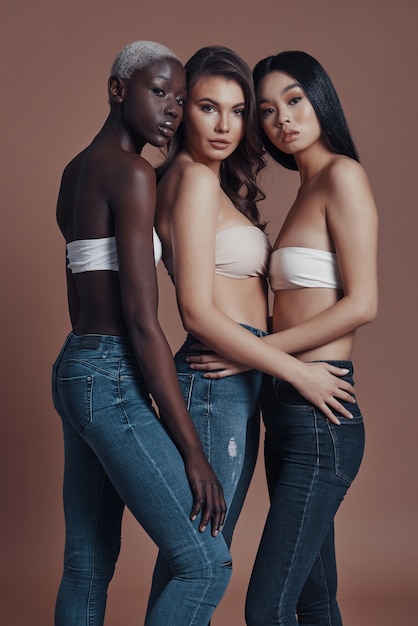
point(63, 210)
point(134, 215)
point(352, 220)
point(194, 216)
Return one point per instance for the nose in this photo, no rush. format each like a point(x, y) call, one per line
point(172, 108)
point(222, 124)
point(282, 118)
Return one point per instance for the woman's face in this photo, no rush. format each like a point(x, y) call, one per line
point(154, 100)
point(213, 119)
point(286, 114)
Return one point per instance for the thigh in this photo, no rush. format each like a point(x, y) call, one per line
point(93, 508)
point(226, 415)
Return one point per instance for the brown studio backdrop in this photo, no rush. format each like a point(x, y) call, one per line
point(55, 61)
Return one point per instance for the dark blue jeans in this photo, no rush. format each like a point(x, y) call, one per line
point(226, 413)
point(117, 453)
point(310, 464)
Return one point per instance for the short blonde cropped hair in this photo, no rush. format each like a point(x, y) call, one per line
point(139, 55)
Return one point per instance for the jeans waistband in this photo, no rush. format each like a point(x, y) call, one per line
point(97, 342)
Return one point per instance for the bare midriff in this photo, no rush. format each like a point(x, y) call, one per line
point(296, 306)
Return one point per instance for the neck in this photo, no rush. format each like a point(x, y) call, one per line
point(127, 140)
point(311, 162)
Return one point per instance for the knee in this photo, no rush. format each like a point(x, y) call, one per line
point(258, 612)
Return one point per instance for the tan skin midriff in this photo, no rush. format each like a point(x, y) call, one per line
point(295, 306)
point(243, 300)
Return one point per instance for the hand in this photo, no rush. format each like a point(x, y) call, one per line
point(214, 364)
point(323, 386)
point(208, 495)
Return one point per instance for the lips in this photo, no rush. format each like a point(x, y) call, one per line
point(288, 136)
point(167, 128)
point(219, 144)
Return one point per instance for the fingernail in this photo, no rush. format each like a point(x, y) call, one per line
point(193, 518)
point(345, 370)
point(350, 416)
point(202, 530)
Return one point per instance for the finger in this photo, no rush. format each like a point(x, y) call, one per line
point(337, 371)
point(219, 511)
point(198, 502)
point(207, 512)
point(330, 415)
point(207, 365)
point(202, 358)
point(220, 374)
point(345, 395)
point(340, 409)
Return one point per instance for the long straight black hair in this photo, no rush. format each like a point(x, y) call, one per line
point(320, 91)
point(238, 172)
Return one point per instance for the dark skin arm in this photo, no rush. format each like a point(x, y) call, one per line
point(132, 209)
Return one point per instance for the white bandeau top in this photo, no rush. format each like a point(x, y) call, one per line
point(293, 268)
point(240, 252)
point(88, 255)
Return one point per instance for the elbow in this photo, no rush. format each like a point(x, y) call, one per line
point(190, 323)
point(367, 312)
point(192, 320)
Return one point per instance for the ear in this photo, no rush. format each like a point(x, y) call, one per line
point(117, 89)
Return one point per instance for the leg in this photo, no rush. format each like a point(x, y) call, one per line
point(319, 594)
point(103, 394)
point(316, 462)
point(226, 415)
point(93, 515)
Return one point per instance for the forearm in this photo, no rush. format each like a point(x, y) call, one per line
point(337, 321)
point(225, 336)
point(157, 366)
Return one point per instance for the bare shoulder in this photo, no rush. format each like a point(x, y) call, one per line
point(133, 168)
point(191, 174)
point(344, 172)
point(186, 178)
point(348, 191)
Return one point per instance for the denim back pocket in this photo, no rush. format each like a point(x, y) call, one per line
point(348, 440)
point(74, 394)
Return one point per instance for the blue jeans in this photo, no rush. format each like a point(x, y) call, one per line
point(117, 453)
point(310, 464)
point(226, 413)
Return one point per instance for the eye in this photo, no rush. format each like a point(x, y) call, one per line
point(266, 112)
point(295, 100)
point(181, 101)
point(158, 91)
point(239, 112)
point(208, 108)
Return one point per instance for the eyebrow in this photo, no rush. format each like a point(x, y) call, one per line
point(234, 106)
point(282, 93)
point(167, 78)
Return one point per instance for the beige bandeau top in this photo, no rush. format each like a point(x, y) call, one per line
point(240, 252)
point(294, 267)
